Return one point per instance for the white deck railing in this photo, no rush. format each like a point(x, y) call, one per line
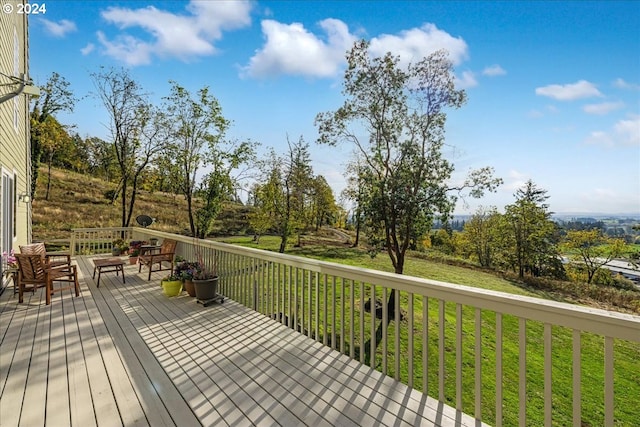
point(487, 353)
point(88, 241)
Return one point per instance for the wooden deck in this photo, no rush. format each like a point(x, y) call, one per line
point(124, 354)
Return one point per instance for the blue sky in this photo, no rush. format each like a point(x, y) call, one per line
point(553, 87)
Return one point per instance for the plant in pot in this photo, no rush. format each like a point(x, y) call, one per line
point(119, 246)
point(205, 281)
point(171, 285)
point(186, 271)
point(134, 250)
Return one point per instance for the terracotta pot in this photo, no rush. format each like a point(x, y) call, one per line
point(190, 288)
point(133, 260)
point(206, 289)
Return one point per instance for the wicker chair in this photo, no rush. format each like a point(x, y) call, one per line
point(167, 254)
point(34, 273)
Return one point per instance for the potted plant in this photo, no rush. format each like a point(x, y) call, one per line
point(171, 285)
point(119, 246)
point(186, 271)
point(205, 281)
point(134, 250)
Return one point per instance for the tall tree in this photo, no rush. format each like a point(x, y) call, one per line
point(135, 130)
point(56, 97)
point(395, 117)
point(534, 236)
point(197, 130)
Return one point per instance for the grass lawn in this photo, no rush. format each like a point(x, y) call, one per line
point(627, 355)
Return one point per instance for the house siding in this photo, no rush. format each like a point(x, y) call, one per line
point(15, 157)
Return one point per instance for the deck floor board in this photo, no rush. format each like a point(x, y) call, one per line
point(125, 354)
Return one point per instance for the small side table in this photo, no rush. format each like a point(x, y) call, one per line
point(106, 265)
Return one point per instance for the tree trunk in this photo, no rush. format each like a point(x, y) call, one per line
point(50, 160)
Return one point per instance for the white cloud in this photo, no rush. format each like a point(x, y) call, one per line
point(602, 108)
point(621, 84)
point(414, 44)
point(291, 49)
point(466, 80)
point(628, 131)
point(494, 70)
point(569, 92)
point(624, 132)
point(90, 47)
point(599, 138)
point(169, 35)
point(59, 29)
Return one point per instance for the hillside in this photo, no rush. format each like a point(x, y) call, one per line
point(78, 201)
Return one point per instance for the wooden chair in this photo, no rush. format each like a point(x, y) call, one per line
point(40, 249)
point(34, 273)
point(167, 254)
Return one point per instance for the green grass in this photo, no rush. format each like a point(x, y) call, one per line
point(627, 355)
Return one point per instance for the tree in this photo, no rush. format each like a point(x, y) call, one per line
point(136, 130)
point(480, 236)
point(197, 128)
point(354, 192)
point(323, 203)
point(219, 185)
point(56, 96)
point(534, 235)
point(592, 249)
point(396, 118)
point(283, 197)
point(401, 113)
point(51, 136)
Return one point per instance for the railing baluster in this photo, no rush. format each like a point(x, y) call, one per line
point(310, 300)
point(441, 351)
point(372, 312)
point(547, 375)
point(425, 344)
point(362, 322)
point(352, 303)
point(325, 328)
point(478, 364)
point(317, 306)
point(410, 339)
point(303, 312)
point(343, 321)
point(577, 379)
point(608, 382)
point(522, 388)
point(499, 375)
point(333, 312)
point(397, 337)
point(296, 320)
point(459, 357)
point(385, 323)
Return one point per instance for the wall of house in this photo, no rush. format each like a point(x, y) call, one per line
point(15, 166)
